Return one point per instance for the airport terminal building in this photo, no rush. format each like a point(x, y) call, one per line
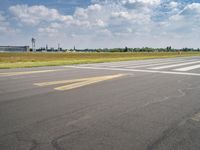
point(14, 48)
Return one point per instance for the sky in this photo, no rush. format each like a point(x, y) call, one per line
point(101, 23)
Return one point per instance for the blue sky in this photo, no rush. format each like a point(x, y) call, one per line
point(101, 23)
point(64, 6)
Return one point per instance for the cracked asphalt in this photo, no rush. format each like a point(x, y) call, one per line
point(139, 111)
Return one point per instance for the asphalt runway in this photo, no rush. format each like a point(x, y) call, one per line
point(130, 105)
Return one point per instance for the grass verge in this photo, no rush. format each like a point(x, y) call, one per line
point(22, 60)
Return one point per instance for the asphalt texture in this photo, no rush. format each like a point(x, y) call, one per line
point(148, 108)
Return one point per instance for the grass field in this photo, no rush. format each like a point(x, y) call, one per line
point(21, 60)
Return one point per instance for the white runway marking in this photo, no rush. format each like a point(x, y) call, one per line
point(153, 64)
point(175, 65)
point(138, 70)
point(146, 62)
point(188, 68)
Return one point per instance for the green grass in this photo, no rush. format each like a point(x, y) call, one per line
point(21, 60)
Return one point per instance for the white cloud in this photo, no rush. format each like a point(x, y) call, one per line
point(140, 3)
point(52, 28)
point(191, 9)
point(189, 14)
point(173, 5)
point(5, 25)
point(122, 15)
point(182, 27)
point(81, 13)
point(95, 7)
point(90, 13)
point(33, 15)
point(100, 23)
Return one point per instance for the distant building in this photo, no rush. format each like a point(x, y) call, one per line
point(14, 48)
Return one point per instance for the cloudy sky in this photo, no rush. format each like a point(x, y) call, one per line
point(101, 23)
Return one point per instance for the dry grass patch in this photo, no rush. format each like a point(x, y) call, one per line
point(18, 60)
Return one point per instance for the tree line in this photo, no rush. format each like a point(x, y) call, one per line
point(126, 49)
point(143, 49)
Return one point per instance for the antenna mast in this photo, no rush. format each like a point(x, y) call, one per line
point(33, 44)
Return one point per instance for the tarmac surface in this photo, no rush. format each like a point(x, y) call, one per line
point(130, 105)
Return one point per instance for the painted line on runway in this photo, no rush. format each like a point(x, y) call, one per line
point(76, 83)
point(152, 64)
point(7, 74)
point(60, 82)
point(196, 117)
point(137, 70)
point(137, 63)
point(188, 68)
point(175, 65)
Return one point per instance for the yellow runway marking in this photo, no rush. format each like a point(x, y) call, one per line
point(76, 83)
point(196, 117)
point(7, 74)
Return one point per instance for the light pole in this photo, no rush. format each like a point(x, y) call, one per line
point(58, 47)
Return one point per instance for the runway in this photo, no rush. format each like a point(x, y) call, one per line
point(132, 105)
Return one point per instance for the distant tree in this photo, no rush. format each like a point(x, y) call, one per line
point(169, 48)
point(126, 49)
